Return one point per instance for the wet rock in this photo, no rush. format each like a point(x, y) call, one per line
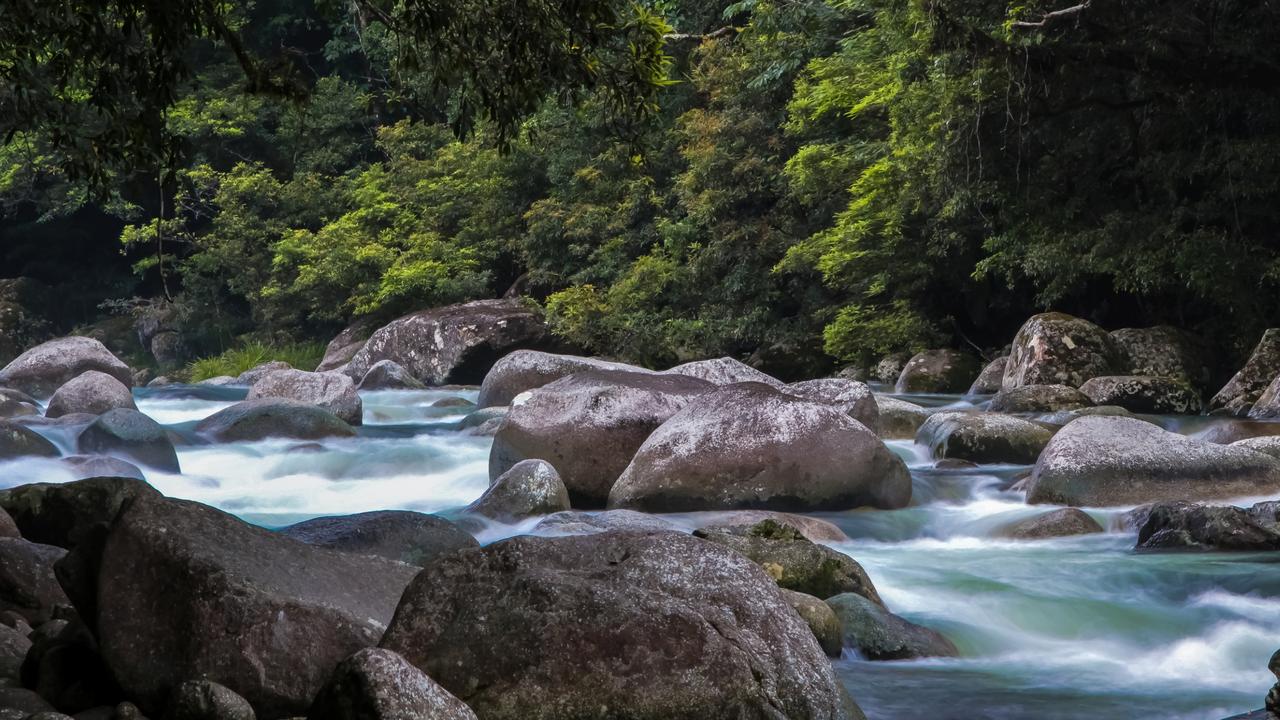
point(130, 434)
point(1107, 461)
point(853, 397)
point(528, 489)
point(525, 370)
point(27, 583)
point(820, 618)
point(272, 417)
point(576, 522)
point(453, 402)
point(890, 367)
point(794, 561)
point(983, 437)
point(1246, 386)
point(937, 371)
point(60, 514)
point(1268, 444)
point(1189, 526)
point(389, 375)
point(1039, 399)
point(250, 377)
point(346, 344)
point(1144, 394)
point(484, 421)
point(877, 634)
point(84, 467)
point(1226, 432)
point(334, 392)
point(1163, 351)
point(378, 684)
point(589, 426)
point(204, 700)
point(408, 537)
point(647, 626)
point(813, 528)
point(1057, 523)
point(1058, 349)
point(749, 446)
point(92, 392)
point(454, 344)
point(18, 441)
point(990, 379)
point(186, 591)
point(48, 366)
point(899, 419)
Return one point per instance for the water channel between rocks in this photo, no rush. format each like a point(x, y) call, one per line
point(1081, 627)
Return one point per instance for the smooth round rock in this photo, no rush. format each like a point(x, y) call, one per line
point(332, 391)
point(528, 489)
point(937, 371)
point(1056, 523)
point(525, 370)
point(130, 434)
point(877, 634)
point(264, 418)
point(1058, 349)
point(90, 392)
point(983, 437)
point(48, 366)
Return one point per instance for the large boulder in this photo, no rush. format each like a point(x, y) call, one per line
point(794, 561)
point(528, 489)
point(130, 434)
point(389, 375)
point(453, 344)
point(1246, 386)
point(1058, 349)
point(409, 537)
point(186, 591)
point(1039, 399)
point(1055, 523)
point(577, 522)
point(1188, 526)
point(525, 370)
point(937, 371)
point(991, 378)
point(1105, 461)
point(346, 344)
point(250, 377)
point(27, 583)
point(751, 446)
point(1268, 405)
point(983, 437)
point(899, 419)
point(263, 418)
point(618, 625)
point(18, 441)
point(378, 684)
point(90, 392)
point(48, 366)
point(877, 634)
point(854, 397)
point(1144, 394)
point(589, 426)
point(332, 391)
point(724, 371)
point(62, 514)
point(813, 528)
point(1163, 351)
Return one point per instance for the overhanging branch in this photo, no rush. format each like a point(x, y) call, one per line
point(1052, 17)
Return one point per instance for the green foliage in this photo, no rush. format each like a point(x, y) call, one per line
point(250, 355)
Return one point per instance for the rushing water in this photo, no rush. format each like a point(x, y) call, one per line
point(1079, 628)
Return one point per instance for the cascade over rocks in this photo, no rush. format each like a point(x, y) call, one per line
point(589, 426)
point(389, 375)
point(724, 371)
point(48, 366)
point(131, 434)
point(877, 634)
point(1247, 385)
point(1058, 349)
point(409, 537)
point(263, 418)
point(1056, 523)
point(18, 441)
point(90, 392)
point(1107, 461)
point(332, 391)
point(1189, 526)
point(853, 397)
point(937, 371)
point(377, 684)
point(659, 626)
point(186, 591)
point(456, 343)
point(528, 489)
point(1039, 399)
point(749, 446)
point(1144, 394)
point(990, 379)
point(983, 437)
point(525, 370)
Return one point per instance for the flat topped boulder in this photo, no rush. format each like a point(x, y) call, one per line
point(48, 366)
point(724, 371)
point(132, 435)
point(186, 591)
point(1058, 349)
point(1107, 461)
point(264, 418)
point(750, 446)
point(625, 626)
point(983, 437)
point(937, 371)
point(525, 370)
point(454, 344)
point(90, 392)
point(410, 537)
point(854, 397)
point(332, 391)
point(589, 425)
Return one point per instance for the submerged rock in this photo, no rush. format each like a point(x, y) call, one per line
point(332, 391)
point(389, 375)
point(1057, 523)
point(377, 684)
point(899, 419)
point(1102, 461)
point(1189, 526)
point(1246, 386)
point(990, 379)
point(90, 392)
point(853, 397)
point(644, 626)
point(937, 371)
point(401, 535)
point(1039, 399)
point(1058, 349)
point(525, 370)
point(983, 437)
point(529, 488)
point(1144, 394)
point(877, 634)
point(130, 434)
point(48, 366)
point(589, 426)
point(749, 446)
point(264, 418)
